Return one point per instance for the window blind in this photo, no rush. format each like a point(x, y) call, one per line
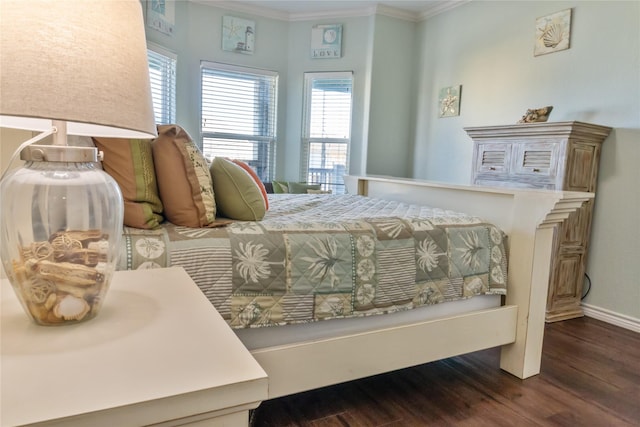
point(327, 131)
point(330, 104)
point(239, 115)
point(162, 76)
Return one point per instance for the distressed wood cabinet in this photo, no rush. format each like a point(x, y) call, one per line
point(554, 156)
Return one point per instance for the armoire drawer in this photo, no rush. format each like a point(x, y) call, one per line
point(493, 158)
point(536, 163)
point(536, 159)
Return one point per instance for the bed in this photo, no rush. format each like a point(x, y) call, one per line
point(333, 333)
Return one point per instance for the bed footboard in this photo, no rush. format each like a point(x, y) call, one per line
point(308, 365)
point(529, 217)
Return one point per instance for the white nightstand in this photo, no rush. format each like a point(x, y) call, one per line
point(157, 353)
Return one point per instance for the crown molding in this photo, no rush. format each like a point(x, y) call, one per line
point(435, 9)
point(246, 8)
point(392, 12)
point(334, 14)
point(440, 7)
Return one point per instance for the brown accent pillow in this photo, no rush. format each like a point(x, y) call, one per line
point(184, 180)
point(130, 163)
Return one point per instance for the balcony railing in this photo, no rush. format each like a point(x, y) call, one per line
point(329, 178)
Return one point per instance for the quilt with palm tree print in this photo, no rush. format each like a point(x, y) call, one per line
point(316, 257)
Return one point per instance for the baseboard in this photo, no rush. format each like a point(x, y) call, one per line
point(608, 316)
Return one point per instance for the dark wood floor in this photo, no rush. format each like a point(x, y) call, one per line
point(590, 376)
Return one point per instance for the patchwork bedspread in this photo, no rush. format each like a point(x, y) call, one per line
point(316, 257)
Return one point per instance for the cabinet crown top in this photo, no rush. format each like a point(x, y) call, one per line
point(555, 129)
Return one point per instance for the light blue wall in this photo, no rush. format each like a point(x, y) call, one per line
point(488, 48)
point(280, 46)
point(393, 96)
point(198, 37)
point(356, 57)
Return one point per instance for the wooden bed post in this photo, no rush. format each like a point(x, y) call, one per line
point(535, 219)
point(529, 217)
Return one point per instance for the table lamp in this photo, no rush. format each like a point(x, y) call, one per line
point(72, 67)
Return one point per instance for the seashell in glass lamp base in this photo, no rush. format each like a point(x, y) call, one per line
point(60, 225)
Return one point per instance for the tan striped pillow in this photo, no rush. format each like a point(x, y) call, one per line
point(130, 163)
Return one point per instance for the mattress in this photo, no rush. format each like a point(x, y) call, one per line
point(259, 338)
point(320, 257)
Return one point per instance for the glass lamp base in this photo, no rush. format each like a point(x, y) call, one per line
point(61, 224)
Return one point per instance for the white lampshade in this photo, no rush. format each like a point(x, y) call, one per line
point(79, 61)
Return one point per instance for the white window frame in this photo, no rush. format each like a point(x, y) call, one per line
point(164, 91)
point(264, 141)
point(328, 180)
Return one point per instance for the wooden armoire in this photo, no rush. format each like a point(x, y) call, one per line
point(554, 156)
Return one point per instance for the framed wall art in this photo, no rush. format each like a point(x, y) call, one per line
point(449, 101)
point(161, 15)
point(553, 33)
point(326, 41)
point(238, 35)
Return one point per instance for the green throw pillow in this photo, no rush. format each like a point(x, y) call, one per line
point(237, 194)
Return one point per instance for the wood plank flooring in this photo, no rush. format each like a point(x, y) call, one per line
point(590, 376)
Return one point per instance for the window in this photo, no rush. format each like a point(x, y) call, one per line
point(162, 74)
point(327, 129)
point(239, 115)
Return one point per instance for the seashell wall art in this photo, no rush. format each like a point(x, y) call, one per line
point(552, 32)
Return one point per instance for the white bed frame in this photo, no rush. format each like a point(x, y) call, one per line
point(529, 217)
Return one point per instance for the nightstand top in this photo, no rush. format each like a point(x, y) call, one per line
point(157, 351)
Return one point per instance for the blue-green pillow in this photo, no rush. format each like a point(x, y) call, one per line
point(280, 187)
point(301, 187)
